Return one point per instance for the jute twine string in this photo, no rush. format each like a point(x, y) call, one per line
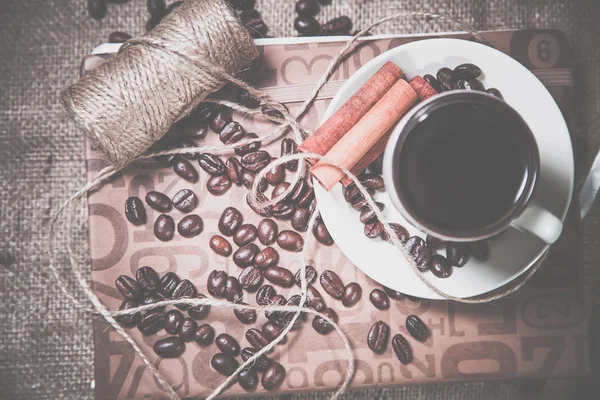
point(285, 122)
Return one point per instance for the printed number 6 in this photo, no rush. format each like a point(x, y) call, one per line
point(544, 50)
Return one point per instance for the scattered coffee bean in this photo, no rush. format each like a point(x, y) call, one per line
point(332, 284)
point(307, 26)
point(290, 240)
point(289, 146)
point(479, 249)
point(255, 24)
point(279, 276)
point(232, 133)
point(230, 221)
point(212, 164)
point(97, 9)
point(246, 99)
point(227, 344)
point(273, 376)
point(337, 26)
point(372, 181)
point(194, 128)
point(360, 204)
point(352, 193)
point(244, 256)
point(200, 311)
point(457, 253)
point(220, 118)
point(373, 229)
point(128, 320)
point(224, 364)
point(314, 299)
point(184, 290)
point(440, 266)
point(392, 294)
point(495, 92)
point(266, 257)
point(464, 84)
point(352, 293)
point(220, 245)
point(256, 160)
point(467, 71)
point(434, 242)
point(250, 147)
point(151, 323)
point(248, 181)
point(265, 294)
point(173, 321)
point(321, 233)
point(251, 278)
point(275, 175)
point(169, 347)
point(279, 190)
point(185, 200)
point(298, 191)
point(267, 232)
point(300, 219)
point(234, 170)
point(233, 290)
point(204, 335)
point(188, 329)
point(168, 283)
point(309, 273)
point(185, 169)
point(248, 379)
point(271, 331)
point(416, 328)
point(135, 211)
point(321, 325)
point(264, 211)
point(245, 234)
point(435, 84)
point(367, 215)
point(446, 78)
point(190, 226)
point(245, 315)
point(378, 336)
point(307, 8)
point(164, 227)
point(183, 142)
point(128, 287)
point(261, 364)
point(216, 282)
point(400, 231)
point(283, 210)
point(159, 201)
point(420, 253)
point(218, 185)
point(152, 298)
point(277, 300)
point(379, 299)
point(306, 198)
point(402, 349)
point(256, 338)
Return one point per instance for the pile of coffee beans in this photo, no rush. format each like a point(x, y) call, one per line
point(307, 25)
point(464, 76)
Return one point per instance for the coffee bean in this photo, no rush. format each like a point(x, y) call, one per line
point(244, 256)
point(352, 293)
point(289, 146)
point(352, 193)
point(248, 379)
point(220, 245)
point(446, 78)
point(279, 276)
point(479, 249)
point(266, 257)
point(393, 294)
point(256, 160)
point(232, 133)
point(184, 290)
point(271, 331)
point(250, 147)
point(279, 190)
point(173, 322)
point(192, 127)
point(286, 317)
point(168, 283)
point(467, 71)
point(420, 253)
point(169, 347)
point(402, 349)
point(321, 325)
point(367, 215)
point(309, 273)
point(242, 5)
point(246, 315)
point(218, 185)
point(227, 344)
point(277, 300)
point(283, 210)
point(212, 164)
point(440, 266)
point(230, 221)
point(434, 242)
point(416, 328)
point(256, 338)
point(128, 287)
point(159, 201)
point(216, 282)
point(185, 169)
point(290, 240)
point(314, 299)
point(204, 335)
point(128, 320)
point(245, 234)
point(151, 23)
point(256, 27)
point(151, 323)
point(246, 99)
point(97, 9)
point(273, 376)
point(306, 198)
point(360, 204)
point(337, 26)
point(298, 191)
point(464, 84)
point(135, 211)
point(400, 231)
point(275, 175)
point(183, 142)
point(372, 181)
point(220, 118)
point(200, 311)
point(321, 233)
point(264, 211)
point(224, 364)
point(151, 298)
point(267, 231)
point(164, 227)
point(435, 84)
point(248, 181)
point(233, 290)
point(379, 299)
point(457, 254)
point(118, 37)
point(188, 329)
point(377, 338)
point(307, 26)
point(261, 364)
point(190, 226)
point(264, 295)
point(234, 170)
point(373, 229)
point(495, 92)
point(185, 200)
point(307, 8)
point(251, 278)
point(300, 219)
point(332, 284)
point(377, 165)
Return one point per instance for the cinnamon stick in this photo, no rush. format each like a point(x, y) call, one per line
point(332, 130)
point(366, 133)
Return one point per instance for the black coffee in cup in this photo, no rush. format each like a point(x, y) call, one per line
point(465, 165)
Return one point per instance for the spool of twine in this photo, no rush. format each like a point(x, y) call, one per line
point(127, 104)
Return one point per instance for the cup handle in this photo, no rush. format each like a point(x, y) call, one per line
point(539, 222)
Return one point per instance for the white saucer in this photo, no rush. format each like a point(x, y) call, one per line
point(512, 252)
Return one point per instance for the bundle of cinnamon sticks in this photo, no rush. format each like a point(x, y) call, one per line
point(358, 132)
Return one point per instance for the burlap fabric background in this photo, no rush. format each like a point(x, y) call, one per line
point(45, 343)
